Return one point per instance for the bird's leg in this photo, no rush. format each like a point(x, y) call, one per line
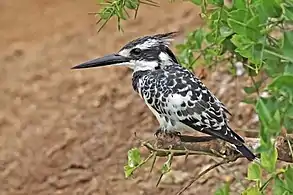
point(174, 137)
point(167, 138)
point(174, 134)
point(167, 133)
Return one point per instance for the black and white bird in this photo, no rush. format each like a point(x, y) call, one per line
point(177, 98)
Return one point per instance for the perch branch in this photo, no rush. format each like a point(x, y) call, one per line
point(213, 147)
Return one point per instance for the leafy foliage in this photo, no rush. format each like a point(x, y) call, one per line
point(259, 35)
point(119, 9)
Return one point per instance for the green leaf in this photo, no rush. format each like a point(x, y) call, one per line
point(254, 172)
point(288, 12)
point(288, 68)
point(288, 119)
point(288, 45)
point(248, 48)
point(254, 88)
point(283, 84)
point(277, 53)
point(167, 165)
point(253, 29)
point(258, 10)
point(165, 168)
point(216, 2)
point(269, 115)
point(134, 160)
point(239, 4)
point(274, 67)
point(279, 186)
point(265, 146)
point(225, 31)
point(196, 2)
point(263, 112)
point(289, 178)
point(211, 37)
point(252, 191)
point(275, 124)
point(227, 45)
point(198, 37)
point(128, 171)
point(269, 159)
point(242, 42)
point(249, 100)
point(256, 53)
point(249, 90)
point(224, 190)
point(132, 4)
point(245, 24)
point(134, 157)
point(192, 44)
point(280, 81)
point(271, 8)
point(107, 13)
point(237, 21)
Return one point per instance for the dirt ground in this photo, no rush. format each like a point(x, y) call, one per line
point(68, 132)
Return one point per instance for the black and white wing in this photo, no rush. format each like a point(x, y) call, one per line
point(177, 94)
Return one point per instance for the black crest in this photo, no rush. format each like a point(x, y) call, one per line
point(161, 39)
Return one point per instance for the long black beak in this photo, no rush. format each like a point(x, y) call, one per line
point(103, 61)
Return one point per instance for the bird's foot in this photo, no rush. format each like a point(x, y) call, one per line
point(168, 138)
point(161, 133)
point(174, 134)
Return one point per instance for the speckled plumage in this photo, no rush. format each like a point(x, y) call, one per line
point(181, 100)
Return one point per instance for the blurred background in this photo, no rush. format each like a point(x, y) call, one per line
point(68, 132)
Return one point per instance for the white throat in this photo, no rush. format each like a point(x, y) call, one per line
point(145, 65)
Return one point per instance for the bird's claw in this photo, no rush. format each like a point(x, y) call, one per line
point(170, 134)
point(177, 133)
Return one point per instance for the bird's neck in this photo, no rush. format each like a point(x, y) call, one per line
point(136, 76)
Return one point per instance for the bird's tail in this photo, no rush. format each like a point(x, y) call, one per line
point(247, 153)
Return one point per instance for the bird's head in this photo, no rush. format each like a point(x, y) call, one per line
point(144, 53)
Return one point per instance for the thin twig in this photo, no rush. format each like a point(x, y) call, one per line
point(169, 161)
point(143, 162)
point(199, 175)
point(154, 161)
point(136, 11)
point(263, 187)
point(150, 3)
point(290, 147)
point(255, 86)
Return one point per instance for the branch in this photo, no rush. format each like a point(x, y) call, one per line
point(206, 145)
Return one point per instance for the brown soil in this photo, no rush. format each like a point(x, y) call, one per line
point(68, 132)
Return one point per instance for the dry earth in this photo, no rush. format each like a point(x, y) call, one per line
point(68, 132)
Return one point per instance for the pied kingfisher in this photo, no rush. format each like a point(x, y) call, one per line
point(178, 99)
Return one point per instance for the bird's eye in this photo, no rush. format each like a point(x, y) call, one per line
point(136, 51)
